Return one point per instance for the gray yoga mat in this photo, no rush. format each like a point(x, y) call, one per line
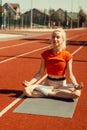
point(48, 107)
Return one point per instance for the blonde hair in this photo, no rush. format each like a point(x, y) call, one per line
point(61, 30)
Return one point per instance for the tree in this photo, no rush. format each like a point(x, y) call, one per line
point(82, 17)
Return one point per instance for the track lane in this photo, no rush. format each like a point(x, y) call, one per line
point(20, 50)
point(57, 122)
point(16, 69)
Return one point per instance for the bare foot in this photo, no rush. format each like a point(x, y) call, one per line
point(28, 91)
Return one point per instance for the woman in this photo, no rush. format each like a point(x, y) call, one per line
point(56, 61)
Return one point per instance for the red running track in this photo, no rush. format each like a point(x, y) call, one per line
point(19, 60)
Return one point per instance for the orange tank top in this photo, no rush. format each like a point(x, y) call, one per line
point(56, 63)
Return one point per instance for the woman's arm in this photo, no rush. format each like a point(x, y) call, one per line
point(71, 75)
point(39, 74)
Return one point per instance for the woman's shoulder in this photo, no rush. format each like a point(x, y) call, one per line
point(66, 52)
point(47, 51)
point(67, 55)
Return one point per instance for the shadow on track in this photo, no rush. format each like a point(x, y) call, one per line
point(11, 93)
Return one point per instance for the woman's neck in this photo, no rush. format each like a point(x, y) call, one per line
point(56, 50)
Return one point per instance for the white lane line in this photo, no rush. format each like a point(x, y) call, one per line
point(12, 58)
point(24, 43)
point(20, 97)
point(76, 36)
point(5, 47)
point(17, 100)
point(79, 48)
point(11, 105)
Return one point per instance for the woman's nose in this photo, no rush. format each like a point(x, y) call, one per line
point(55, 38)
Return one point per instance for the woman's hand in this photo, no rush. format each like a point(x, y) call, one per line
point(79, 86)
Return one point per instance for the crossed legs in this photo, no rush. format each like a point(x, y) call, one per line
point(49, 91)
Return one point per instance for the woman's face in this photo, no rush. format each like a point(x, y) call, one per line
point(57, 39)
